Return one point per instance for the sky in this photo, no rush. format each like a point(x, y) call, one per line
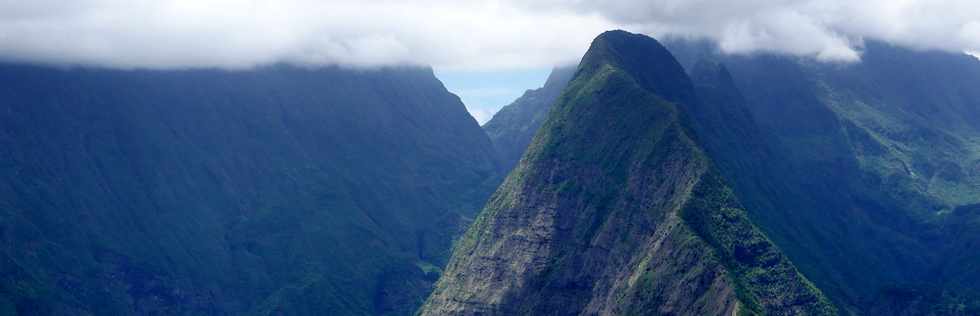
point(487, 51)
point(486, 91)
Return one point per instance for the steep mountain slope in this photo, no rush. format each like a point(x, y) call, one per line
point(874, 173)
point(512, 128)
point(616, 209)
point(275, 190)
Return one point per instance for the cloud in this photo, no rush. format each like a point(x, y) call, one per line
point(461, 34)
point(235, 34)
point(823, 29)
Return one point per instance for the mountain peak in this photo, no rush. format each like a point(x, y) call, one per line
point(614, 201)
point(644, 59)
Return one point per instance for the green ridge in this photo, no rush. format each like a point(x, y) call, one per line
point(615, 209)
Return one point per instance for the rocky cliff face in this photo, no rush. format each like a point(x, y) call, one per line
point(513, 127)
point(275, 190)
point(617, 209)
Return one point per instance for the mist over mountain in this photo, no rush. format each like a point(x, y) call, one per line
point(274, 191)
point(503, 34)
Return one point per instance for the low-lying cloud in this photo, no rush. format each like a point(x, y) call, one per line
point(824, 29)
point(234, 33)
point(464, 34)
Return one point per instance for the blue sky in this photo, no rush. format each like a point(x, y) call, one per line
point(484, 92)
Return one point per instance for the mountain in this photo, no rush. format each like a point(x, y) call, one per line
point(874, 179)
point(618, 207)
point(278, 190)
point(512, 128)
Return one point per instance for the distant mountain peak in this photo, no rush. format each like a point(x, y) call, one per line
point(560, 76)
point(512, 128)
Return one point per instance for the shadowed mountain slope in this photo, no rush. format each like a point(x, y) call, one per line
point(864, 174)
point(512, 128)
point(872, 172)
point(274, 190)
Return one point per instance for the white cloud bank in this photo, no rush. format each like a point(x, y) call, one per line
point(825, 29)
point(462, 34)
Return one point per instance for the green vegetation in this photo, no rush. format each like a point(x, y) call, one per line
point(760, 272)
point(277, 190)
point(590, 221)
point(513, 127)
point(858, 168)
